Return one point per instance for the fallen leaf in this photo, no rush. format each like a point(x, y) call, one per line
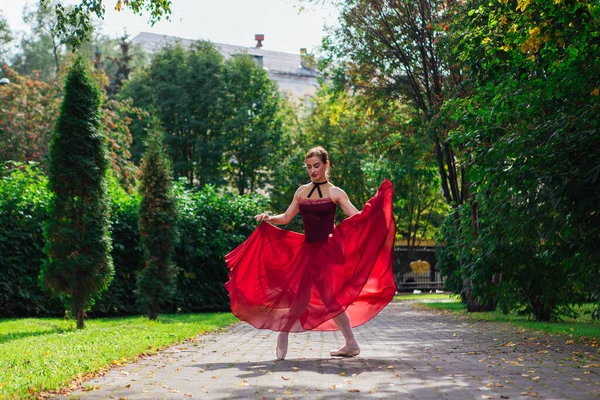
point(570, 342)
point(332, 387)
point(284, 378)
point(187, 395)
point(174, 390)
point(354, 390)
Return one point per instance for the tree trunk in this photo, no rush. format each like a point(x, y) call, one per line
point(80, 321)
point(153, 312)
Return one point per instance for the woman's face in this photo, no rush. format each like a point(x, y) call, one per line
point(316, 169)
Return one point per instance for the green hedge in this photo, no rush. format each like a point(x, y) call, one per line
point(211, 223)
point(23, 203)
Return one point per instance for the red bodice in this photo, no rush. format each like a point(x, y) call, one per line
point(318, 218)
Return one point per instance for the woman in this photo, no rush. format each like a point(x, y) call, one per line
point(331, 277)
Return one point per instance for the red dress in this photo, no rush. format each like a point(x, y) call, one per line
point(286, 281)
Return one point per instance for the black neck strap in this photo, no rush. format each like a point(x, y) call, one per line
point(317, 185)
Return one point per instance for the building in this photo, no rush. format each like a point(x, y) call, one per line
point(292, 73)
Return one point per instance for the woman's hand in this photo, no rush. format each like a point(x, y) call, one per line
point(263, 217)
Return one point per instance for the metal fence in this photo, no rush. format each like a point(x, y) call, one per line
point(406, 279)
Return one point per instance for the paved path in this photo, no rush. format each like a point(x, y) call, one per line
point(407, 353)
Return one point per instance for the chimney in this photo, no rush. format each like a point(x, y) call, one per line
point(259, 37)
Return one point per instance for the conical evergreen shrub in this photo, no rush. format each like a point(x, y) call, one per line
point(78, 244)
point(156, 283)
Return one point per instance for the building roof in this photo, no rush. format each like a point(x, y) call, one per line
point(275, 62)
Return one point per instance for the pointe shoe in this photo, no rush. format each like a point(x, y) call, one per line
point(281, 349)
point(346, 351)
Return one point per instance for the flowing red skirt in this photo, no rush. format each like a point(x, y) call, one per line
point(280, 282)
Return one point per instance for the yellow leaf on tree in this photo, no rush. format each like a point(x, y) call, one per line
point(595, 92)
point(522, 4)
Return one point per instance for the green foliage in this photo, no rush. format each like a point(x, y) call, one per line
point(530, 125)
point(23, 202)
point(211, 224)
point(78, 245)
point(56, 354)
point(343, 128)
point(6, 37)
point(372, 139)
point(158, 227)
point(222, 119)
point(184, 89)
point(31, 107)
point(41, 50)
point(75, 24)
point(252, 126)
point(127, 253)
point(288, 170)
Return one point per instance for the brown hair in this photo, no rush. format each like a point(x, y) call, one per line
point(318, 152)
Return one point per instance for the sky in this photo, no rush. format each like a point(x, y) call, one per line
point(285, 27)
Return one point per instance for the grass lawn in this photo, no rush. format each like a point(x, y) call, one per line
point(426, 296)
point(583, 327)
point(42, 354)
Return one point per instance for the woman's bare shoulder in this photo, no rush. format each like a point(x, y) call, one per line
point(336, 192)
point(301, 189)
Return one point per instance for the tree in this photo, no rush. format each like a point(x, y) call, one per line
point(252, 125)
point(156, 283)
point(530, 123)
point(185, 88)
point(43, 49)
point(397, 48)
point(6, 39)
point(28, 110)
point(78, 244)
point(75, 23)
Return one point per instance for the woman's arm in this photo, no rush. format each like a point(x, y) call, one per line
point(285, 218)
point(340, 197)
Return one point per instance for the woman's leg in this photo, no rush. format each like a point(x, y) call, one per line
point(351, 348)
point(297, 307)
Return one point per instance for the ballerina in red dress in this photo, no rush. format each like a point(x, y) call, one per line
point(330, 278)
